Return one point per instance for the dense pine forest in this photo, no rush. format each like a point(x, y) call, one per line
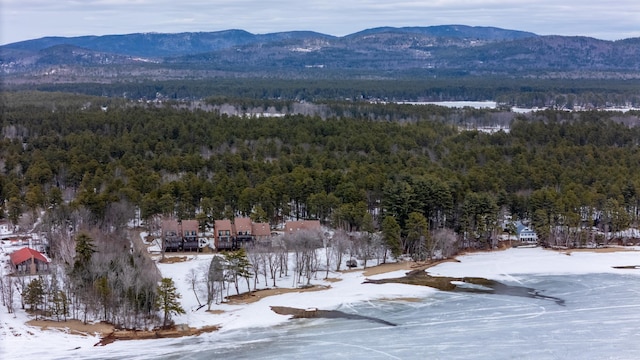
point(562, 170)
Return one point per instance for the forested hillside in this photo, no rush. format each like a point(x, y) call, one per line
point(554, 167)
point(381, 53)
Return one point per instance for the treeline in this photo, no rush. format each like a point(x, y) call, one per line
point(564, 171)
point(567, 93)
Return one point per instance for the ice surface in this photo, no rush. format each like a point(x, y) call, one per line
point(599, 319)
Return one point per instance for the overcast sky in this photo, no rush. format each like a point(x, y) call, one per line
point(30, 19)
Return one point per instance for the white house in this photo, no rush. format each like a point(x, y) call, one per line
point(5, 228)
point(525, 234)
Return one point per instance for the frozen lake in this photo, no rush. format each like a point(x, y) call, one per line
point(456, 104)
point(600, 319)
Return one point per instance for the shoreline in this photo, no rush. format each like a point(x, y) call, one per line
point(109, 334)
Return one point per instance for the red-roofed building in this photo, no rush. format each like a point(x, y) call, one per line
point(29, 262)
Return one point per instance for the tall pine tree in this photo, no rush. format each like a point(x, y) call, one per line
point(168, 300)
point(34, 294)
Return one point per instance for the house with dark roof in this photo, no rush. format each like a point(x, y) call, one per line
point(27, 261)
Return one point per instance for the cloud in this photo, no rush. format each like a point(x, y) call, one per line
point(24, 19)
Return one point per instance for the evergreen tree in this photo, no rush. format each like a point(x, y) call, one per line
point(14, 209)
point(167, 300)
point(104, 293)
point(366, 242)
point(418, 239)
point(391, 235)
point(238, 266)
point(60, 304)
point(85, 249)
point(34, 294)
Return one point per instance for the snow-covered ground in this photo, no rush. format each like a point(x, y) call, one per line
point(500, 264)
point(17, 338)
point(348, 289)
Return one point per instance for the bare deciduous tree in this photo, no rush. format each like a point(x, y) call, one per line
point(254, 254)
point(117, 215)
point(272, 262)
point(7, 291)
point(215, 281)
point(445, 241)
point(192, 278)
point(304, 245)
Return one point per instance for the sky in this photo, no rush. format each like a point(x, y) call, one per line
point(30, 19)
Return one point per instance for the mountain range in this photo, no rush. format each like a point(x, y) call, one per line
point(385, 52)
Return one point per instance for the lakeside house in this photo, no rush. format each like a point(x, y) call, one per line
point(240, 233)
point(243, 232)
point(292, 227)
point(526, 235)
point(262, 233)
point(180, 235)
point(5, 228)
point(27, 261)
point(518, 234)
point(223, 234)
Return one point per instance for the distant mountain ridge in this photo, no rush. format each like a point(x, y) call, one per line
point(160, 44)
point(455, 31)
point(165, 44)
point(385, 51)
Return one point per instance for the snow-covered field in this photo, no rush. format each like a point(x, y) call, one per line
point(18, 339)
